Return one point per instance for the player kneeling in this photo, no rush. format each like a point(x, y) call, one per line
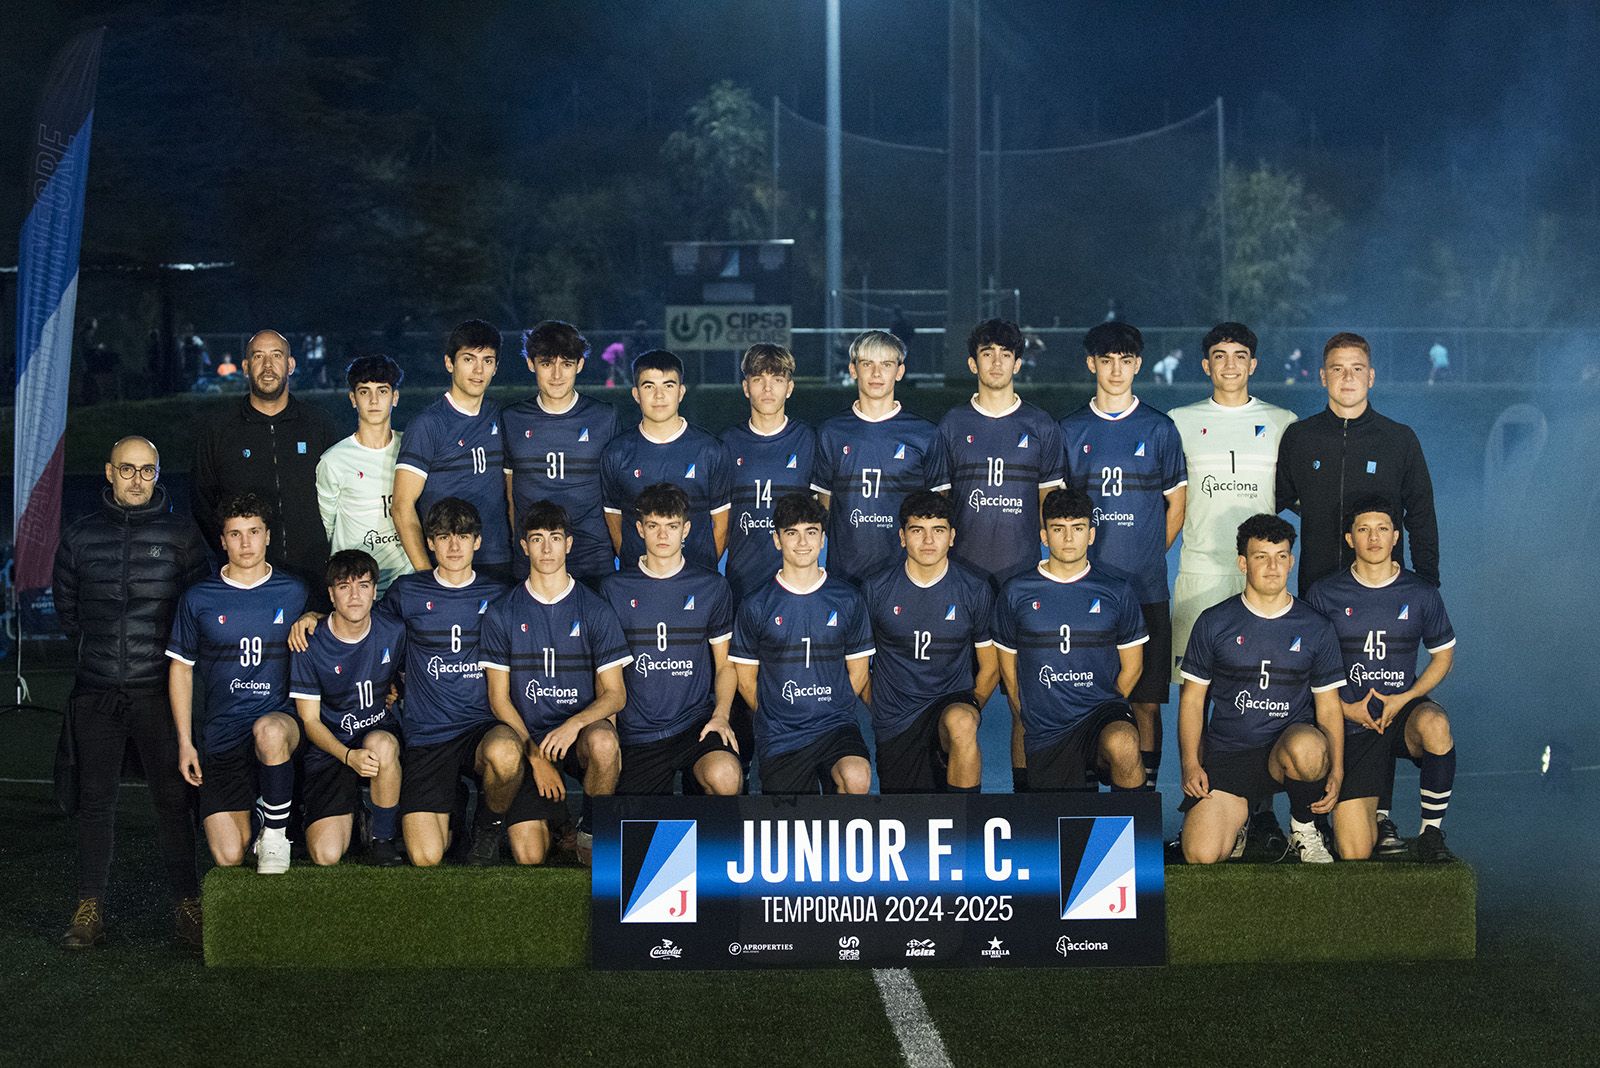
point(1269, 665)
point(1382, 614)
point(1071, 640)
point(340, 686)
point(930, 620)
point(678, 619)
point(553, 653)
point(231, 629)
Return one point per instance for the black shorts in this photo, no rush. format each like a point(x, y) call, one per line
point(330, 788)
point(650, 767)
point(228, 780)
point(1155, 683)
point(1244, 773)
point(1369, 756)
point(913, 762)
point(806, 770)
point(1072, 762)
point(432, 771)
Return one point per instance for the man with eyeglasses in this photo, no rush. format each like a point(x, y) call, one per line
point(119, 572)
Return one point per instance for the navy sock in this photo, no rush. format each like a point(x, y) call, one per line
point(277, 793)
point(1438, 778)
point(1019, 780)
point(384, 822)
point(585, 813)
point(1302, 795)
point(1152, 765)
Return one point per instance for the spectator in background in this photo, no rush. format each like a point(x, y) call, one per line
point(1294, 370)
point(196, 361)
point(119, 572)
point(227, 368)
point(614, 356)
point(1438, 362)
point(268, 443)
point(1167, 366)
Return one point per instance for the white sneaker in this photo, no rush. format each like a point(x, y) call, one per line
point(585, 849)
point(1310, 847)
point(1238, 842)
point(272, 853)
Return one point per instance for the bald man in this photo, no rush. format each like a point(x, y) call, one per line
point(118, 574)
point(267, 443)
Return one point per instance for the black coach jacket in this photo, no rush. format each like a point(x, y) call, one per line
point(240, 450)
point(118, 574)
point(1325, 464)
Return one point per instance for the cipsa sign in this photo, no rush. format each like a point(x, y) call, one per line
point(692, 327)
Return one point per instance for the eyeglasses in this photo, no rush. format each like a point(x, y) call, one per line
point(147, 472)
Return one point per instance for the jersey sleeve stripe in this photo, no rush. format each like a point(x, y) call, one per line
point(412, 468)
point(859, 655)
point(821, 489)
point(299, 696)
point(1329, 686)
point(1195, 678)
point(940, 488)
point(984, 645)
point(1136, 641)
point(1054, 483)
point(741, 659)
point(490, 665)
point(1004, 648)
point(619, 662)
point(1432, 648)
point(612, 511)
point(722, 508)
point(720, 638)
point(1175, 488)
point(185, 660)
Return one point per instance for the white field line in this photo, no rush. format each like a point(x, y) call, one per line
point(919, 1039)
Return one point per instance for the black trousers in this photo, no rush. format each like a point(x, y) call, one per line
point(103, 723)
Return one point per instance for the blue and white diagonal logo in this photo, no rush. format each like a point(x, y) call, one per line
point(658, 871)
point(1097, 871)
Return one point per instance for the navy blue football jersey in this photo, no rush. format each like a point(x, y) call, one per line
point(994, 467)
point(1067, 635)
point(556, 457)
point(692, 460)
point(552, 649)
point(867, 466)
point(670, 625)
point(765, 468)
point(235, 638)
point(801, 640)
point(1380, 629)
point(1127, 463)
point(1262, 671)
point(445, 691)
point(351, 679)
point(460, 455)
point(924, 636)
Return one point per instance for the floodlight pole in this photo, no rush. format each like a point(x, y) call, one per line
point(834, 208)
point(962, 244)
point(1222, 210)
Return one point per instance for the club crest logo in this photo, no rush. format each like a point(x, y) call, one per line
point(277, 620)
point(833, 619)
point(1022, 442)
point(637, 473)
point(950, 612)
point(428, 605)
point(1349, 611)
point(527, 433)
point(338, 669)
point(1139, 449)
point(1316, 465)
point(583, 435)
point(738, 461)
point(777, 621)
point(1097, 869)
point(1238, 639)
point(1036, 606)
point(1294, 646)
point(688, 603)
point(969, 439)
point(1094, 607)
point(1086, 448)
point(793, 462)
point(896, 609)
point(658, 883)
point(1405, 612)
point(576, 631)
point(222, 619)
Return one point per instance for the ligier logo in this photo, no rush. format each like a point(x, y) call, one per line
point(978, 501)
point(1103, 516)
point(1212, 485)
point(850, 948)
point(644, 664)
point(816, 691)
point(667, 950)
point(858, 518)
point(1364, 676)
point(658, 883)
point(1097, 869)
point(1245, 703)
point(921, 947)
point(1049, 676)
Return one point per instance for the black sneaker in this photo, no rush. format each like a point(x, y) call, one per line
point(1430, 848)
point(1389, 843)
point(486, 836)
point(383, 853)
point(189, 924)
point(1265, 843)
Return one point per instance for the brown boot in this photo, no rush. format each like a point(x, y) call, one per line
point(88, 926)
point(189, 924)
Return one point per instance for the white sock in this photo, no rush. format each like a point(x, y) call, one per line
point(1295, 826)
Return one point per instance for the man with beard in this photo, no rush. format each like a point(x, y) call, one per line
point(267, 443)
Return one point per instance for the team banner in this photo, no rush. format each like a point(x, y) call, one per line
point(948, 880)
point(47, 295)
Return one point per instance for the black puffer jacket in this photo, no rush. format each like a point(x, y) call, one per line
point(119, 572)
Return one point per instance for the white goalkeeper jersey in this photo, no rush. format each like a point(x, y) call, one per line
point(355, 487)
point(1232, 457)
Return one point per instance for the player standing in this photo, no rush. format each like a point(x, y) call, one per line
point(678, 620)
point(553, 445)
point(1382, 614)
point(666, 447)
point(1128, 458)
point(1070, 637)
point(997, 457)
point(930, 618)
point(554, 652)
point(340, 686)
point(1268, 665)
point(355, 477)
point(868, 459)
point(232, 627)
point(453, 449)
point(800, 647)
